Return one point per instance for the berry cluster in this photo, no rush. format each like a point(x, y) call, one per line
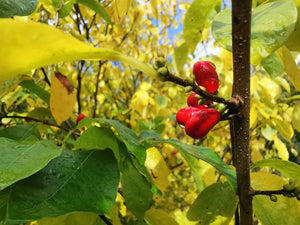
point(199, 118)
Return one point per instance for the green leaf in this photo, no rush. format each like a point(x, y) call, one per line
point(272, 65)
point(75, 218)
point(84, 181)
point(97, 138)
point(21, 159)
point(21, 132)
point(216, 202)
point(199, 152)
point(34, 88)
point(131, 140)
point(9, 8)
point(195, 20)
point(35, 51)
point(135, 187)
point(286, 168)
point(180, 57)
point(284, 211)
point(271, 25)
point(97, 7)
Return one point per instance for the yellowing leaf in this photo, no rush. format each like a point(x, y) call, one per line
point(285, 128)
point(269, 212)
point(29, 45)
point(253, 116)
point(121, 8)
point(290, 66)
point(296, 117)
point(158, 168)
point(62, 101)
point(281, 148)
point(158, 217)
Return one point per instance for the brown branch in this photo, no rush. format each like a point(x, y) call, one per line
point(37, 120)
point(97, 87)
point(195, 88)
point(46, 77)
point(275, 192)
point(79, 85)
point(241, 32)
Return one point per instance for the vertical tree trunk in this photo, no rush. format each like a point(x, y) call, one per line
point(241, 26)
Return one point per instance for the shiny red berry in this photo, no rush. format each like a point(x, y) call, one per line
point(80, 117)
point(192, 100)
point(206, 76)
point(185, 113)
point(201, 122)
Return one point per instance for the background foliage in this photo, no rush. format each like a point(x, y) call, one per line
point(132, 168)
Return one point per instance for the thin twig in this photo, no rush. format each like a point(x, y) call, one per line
point(275, 192)
point(37, 120)
point(97, 86)
point(46, 77)
point(105, 220)
point(195, 88)
point(79, 85)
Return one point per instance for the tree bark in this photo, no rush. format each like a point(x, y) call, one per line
point(241, 32)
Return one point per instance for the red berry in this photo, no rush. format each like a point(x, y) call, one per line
point(201, 122)
point(192, 100)
point(185, 113)
point(206, 76)
point(80, 117)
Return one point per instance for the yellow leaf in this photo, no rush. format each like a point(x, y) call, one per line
point(158, 217)
point(62, 101)
point(226, 57)
point(290, 66)
point(253, 116)
point(285, 128)
point(296, 116)
point(30, 45)
point(158, 168)
point(269, 212)
point(121, 8)
point(281, 148)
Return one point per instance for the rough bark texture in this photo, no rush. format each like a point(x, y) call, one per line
point(241, 24)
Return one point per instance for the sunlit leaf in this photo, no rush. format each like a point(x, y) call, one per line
point(121, 8)
point(296, 117)
point(287, 168)
point(180, 56)
point(285, 128)
point(159, 171)
point(195, 20)
point(9, 8)
point(85, 181)
point(271, 25)
point(290, 66)
point(269, 212)
point(21, 159)
point(199, 152)
point(62, 101)
point(281, 148)
point(21, 51)
point(159, 217)
point(218, 199)
point(97, 7)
